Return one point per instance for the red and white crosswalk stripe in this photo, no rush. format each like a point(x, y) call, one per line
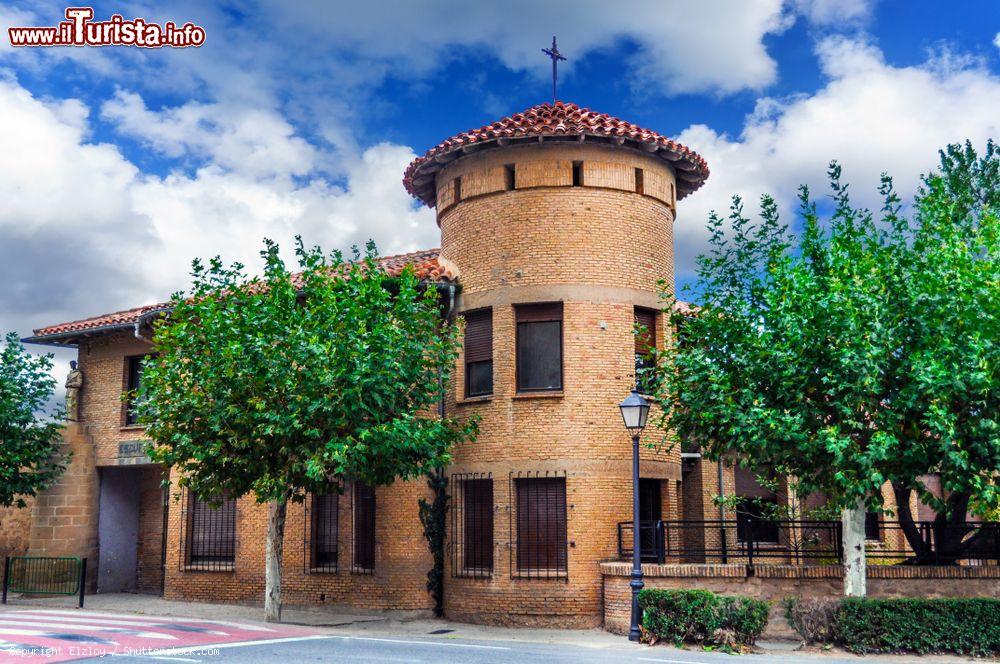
point(61, 635)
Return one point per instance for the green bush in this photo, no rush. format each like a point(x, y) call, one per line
point(965, 626)
point(700, 616)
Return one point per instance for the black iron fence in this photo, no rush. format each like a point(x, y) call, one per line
point(37, 575)
point(802, 542)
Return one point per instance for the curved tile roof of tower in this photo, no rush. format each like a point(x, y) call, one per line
point(427, 265)
point(558, 121)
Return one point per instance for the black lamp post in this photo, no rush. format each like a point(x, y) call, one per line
point(635, 411)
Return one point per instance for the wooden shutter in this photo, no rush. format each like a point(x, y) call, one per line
point(213, 531)
point(364, 526)
point(539, 313)
point(541, 524)
point(477, 524)
point(479, 335)
point(646, 341)
point(325, 527)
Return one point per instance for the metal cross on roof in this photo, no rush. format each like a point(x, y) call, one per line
point(556, 57)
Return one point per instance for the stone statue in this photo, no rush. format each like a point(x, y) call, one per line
point(74, 382)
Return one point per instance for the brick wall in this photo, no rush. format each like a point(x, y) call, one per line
point(149, 575)
point(775, 582)
point(600, 249)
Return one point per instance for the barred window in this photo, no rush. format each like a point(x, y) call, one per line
point(324, 526)
point(645, 341)
point(210, 541)
point(364, 528)
point(133, 379)
point(539, 347)
point(755, 502)
point(472, 525)
point(872, 528)
point(479, 353)
point(539, 502)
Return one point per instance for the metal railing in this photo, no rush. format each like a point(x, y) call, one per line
point(39, 575)
point(802, 542)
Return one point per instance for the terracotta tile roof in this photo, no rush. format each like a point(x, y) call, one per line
point(555, 121)
point(427, 264)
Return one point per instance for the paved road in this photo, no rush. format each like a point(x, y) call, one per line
point(59, 635)
point(353, 648)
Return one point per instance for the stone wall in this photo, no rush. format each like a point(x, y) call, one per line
point(15, 527)
point(776, 582)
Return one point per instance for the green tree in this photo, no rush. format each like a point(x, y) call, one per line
point(284, 384)
point(30, 460)
point(857, 352)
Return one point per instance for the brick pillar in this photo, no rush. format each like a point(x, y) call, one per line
point(64, 519)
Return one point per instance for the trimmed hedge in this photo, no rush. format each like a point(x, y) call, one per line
point(700, 616)
point(966, 626)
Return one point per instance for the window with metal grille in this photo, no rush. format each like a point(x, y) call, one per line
point(539, 346)
point(479, 353)
point(364, 528)
point(472, 525)
point(133, 379)
point(872, 528)
point(323, 512)
point(209, 539)
point(756, 504)
point(645, 341)
point(539, 547)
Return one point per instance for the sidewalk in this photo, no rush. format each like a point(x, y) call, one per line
point(355, 622)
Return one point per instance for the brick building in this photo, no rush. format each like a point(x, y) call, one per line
point(556, 227)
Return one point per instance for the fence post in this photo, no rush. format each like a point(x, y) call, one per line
point(660, 544)
point(839, 533)
point(83, 580)
point(6, 577)
point(750, 545)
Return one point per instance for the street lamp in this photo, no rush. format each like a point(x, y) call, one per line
point(635, 411)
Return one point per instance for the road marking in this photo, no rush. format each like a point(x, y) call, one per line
point(176, 625)
point(89, 628)
point(115, 616)
point(421, 643)
point(669, 661)
point(213, 646)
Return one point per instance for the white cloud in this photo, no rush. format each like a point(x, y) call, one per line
point(870, 116)
point(682, 46)
point(831, 13)
point(83, 231)
point(247, 139)
point(996, 40)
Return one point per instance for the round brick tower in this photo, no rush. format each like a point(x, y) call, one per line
point(559, 222)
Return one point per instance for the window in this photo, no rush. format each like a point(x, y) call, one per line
point(577, 173)
point(756, 504)
point(539, 347)
point(324, 529)
point(639, 181)
point(508, 177)
point(540, 520)
point(458, 189)
point(872, 528)
point(211, 534)
point(472, 525)
point(364, 528)
point(479, 353)
point(645, 341)
point(133, 379)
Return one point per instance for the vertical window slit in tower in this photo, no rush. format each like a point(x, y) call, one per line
point(577, 173)
point(508, 177)
point(458, 189)
point(638, 181)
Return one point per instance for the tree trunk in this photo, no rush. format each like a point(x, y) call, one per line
point(272, 573)
point(855, 575)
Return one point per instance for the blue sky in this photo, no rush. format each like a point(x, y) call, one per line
point(119, 165)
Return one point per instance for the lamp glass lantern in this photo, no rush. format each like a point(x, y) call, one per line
point(635, 412)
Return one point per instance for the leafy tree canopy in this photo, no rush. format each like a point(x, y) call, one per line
point(285, 384)
point(29, 441)
point(856, 352)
